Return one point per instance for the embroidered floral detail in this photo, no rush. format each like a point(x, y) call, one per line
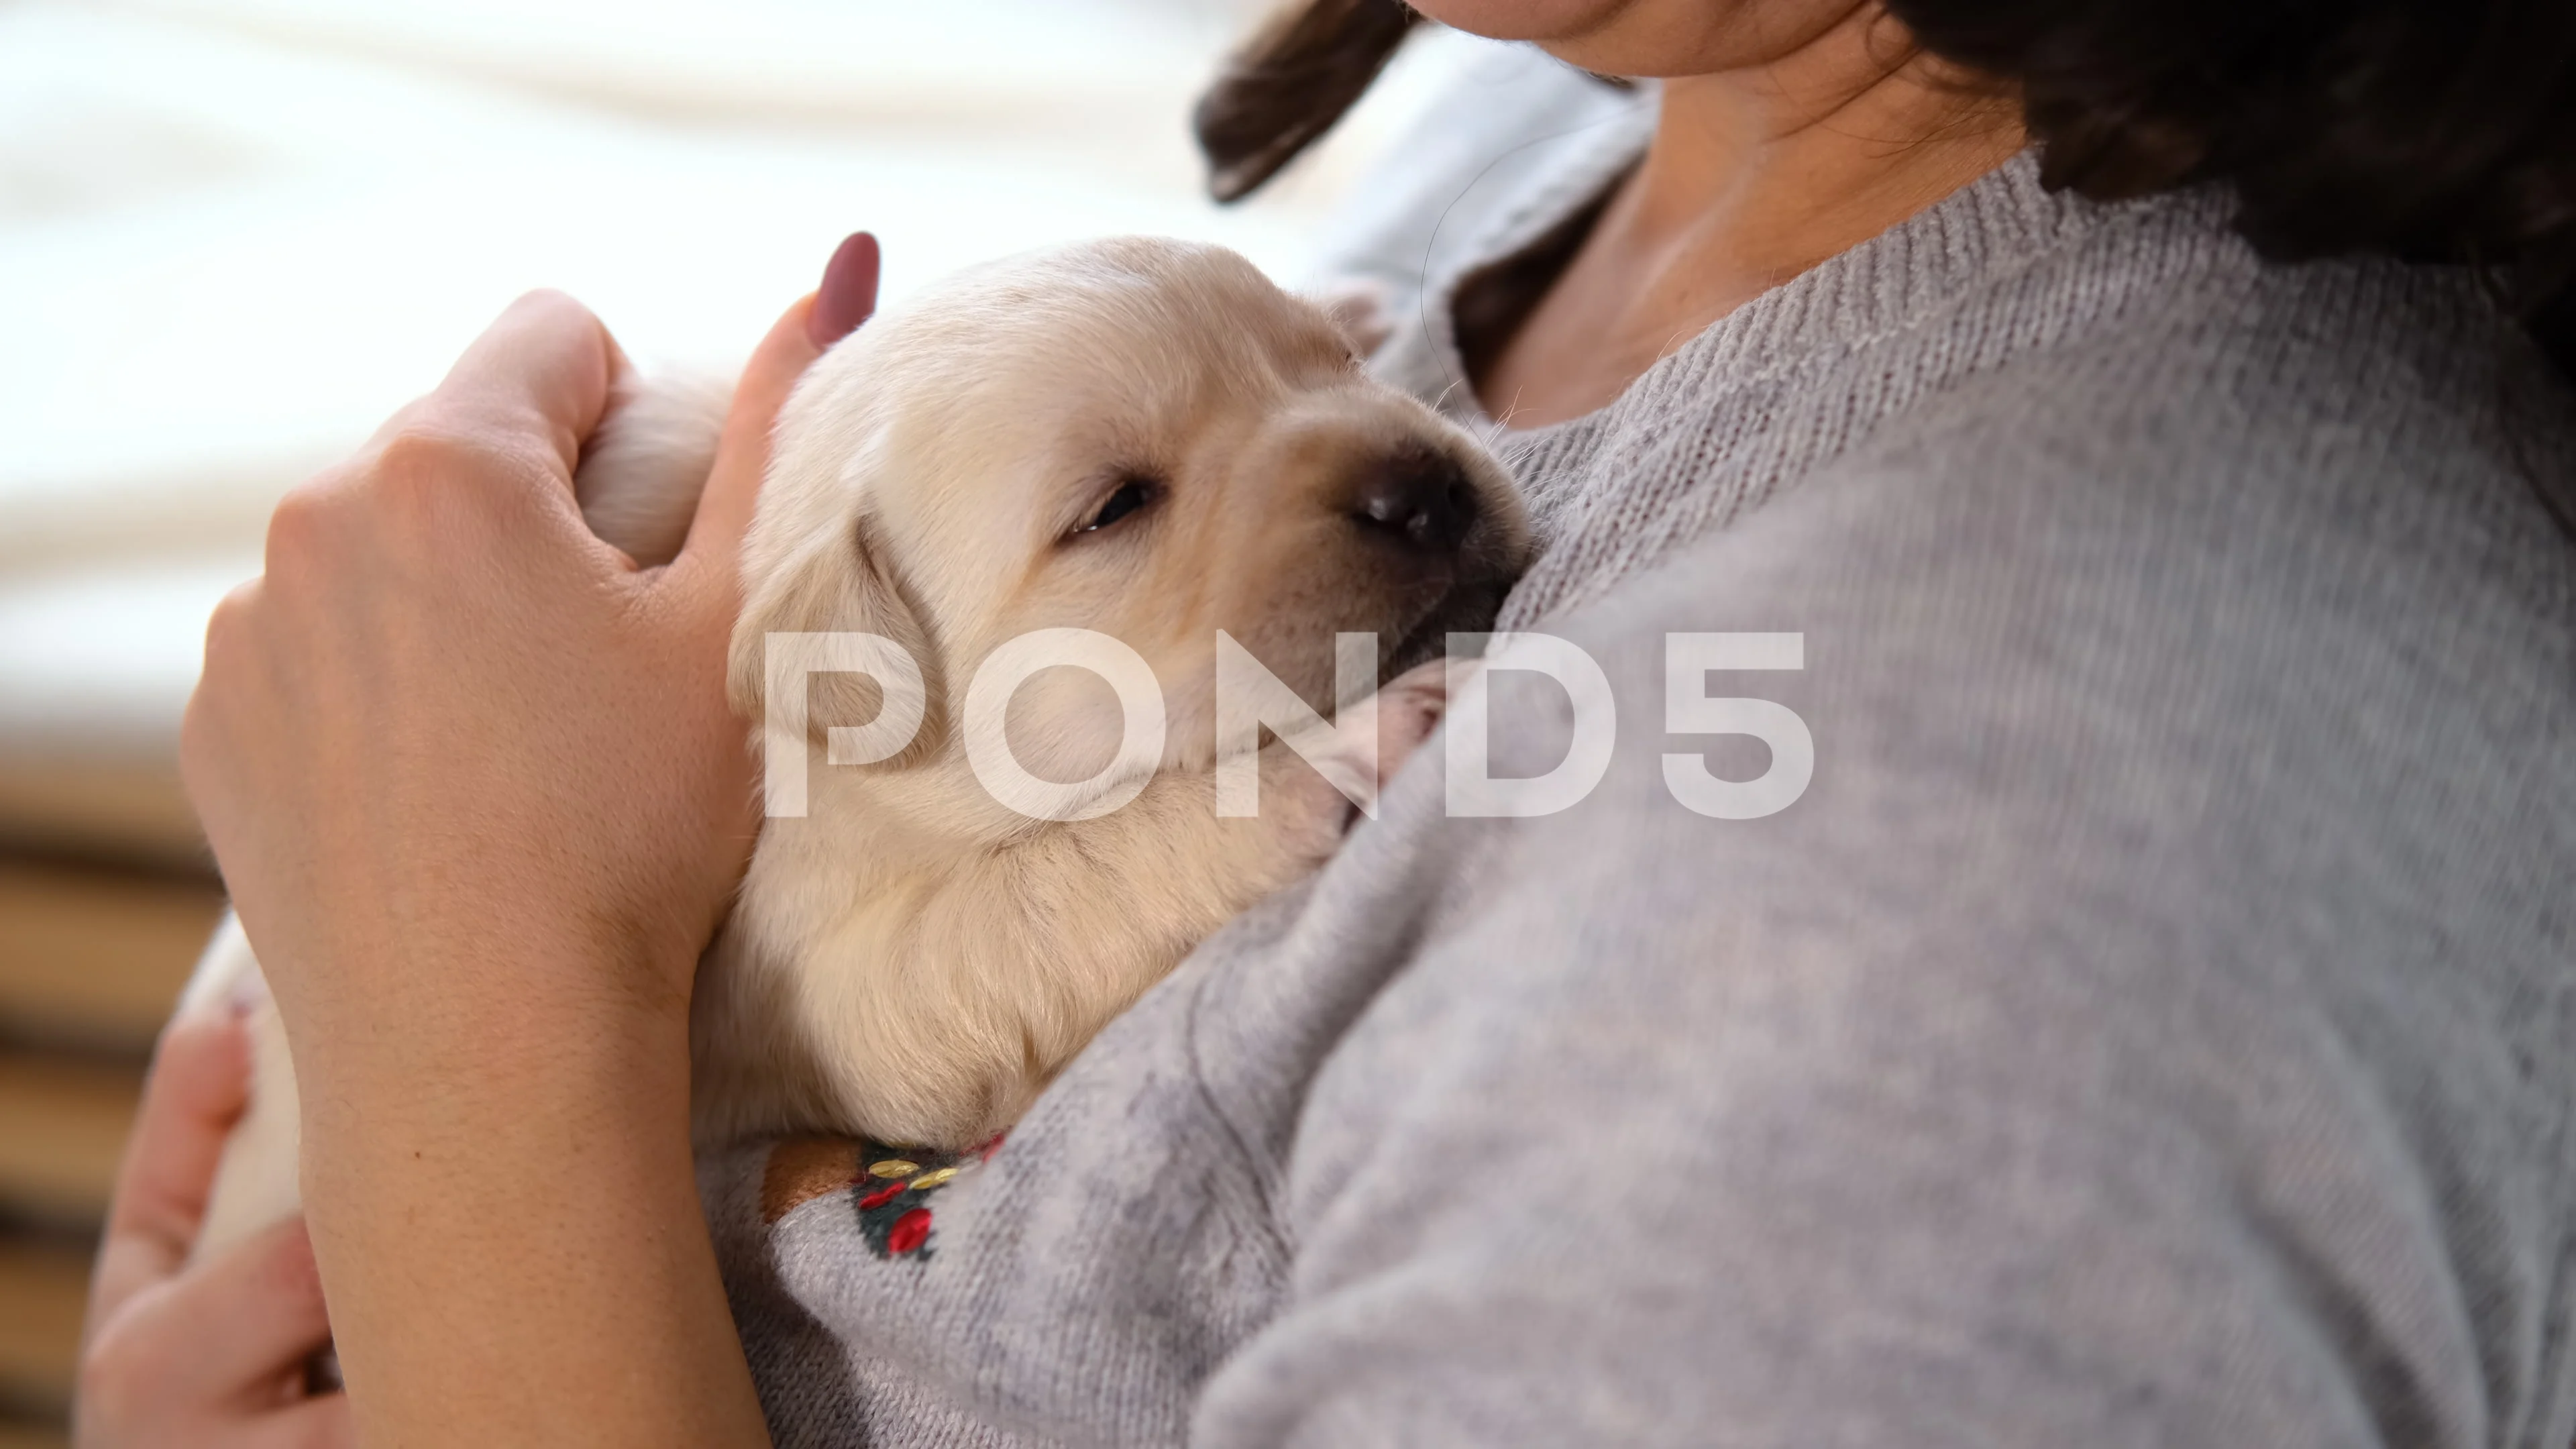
point(892, 1200)
point(909, 1231)
point(888, 1188)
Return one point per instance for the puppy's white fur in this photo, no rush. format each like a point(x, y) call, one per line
point(912, 960)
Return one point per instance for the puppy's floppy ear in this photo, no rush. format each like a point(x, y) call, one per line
point(833, 582)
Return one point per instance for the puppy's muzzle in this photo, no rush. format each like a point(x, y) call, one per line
point(1418, 499)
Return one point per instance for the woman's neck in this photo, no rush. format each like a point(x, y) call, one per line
point(1753, 176)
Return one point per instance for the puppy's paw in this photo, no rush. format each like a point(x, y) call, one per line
point(641, 473)
point(1315, 792)
point(1410, 707)
point(1374, 738)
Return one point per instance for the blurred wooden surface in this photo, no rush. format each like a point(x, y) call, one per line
point(62, 1128)
point(40, 1333)
point(91, 960)
point(23, 1436)
point(100, 808)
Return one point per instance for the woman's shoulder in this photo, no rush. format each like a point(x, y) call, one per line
point(2355, 416)
point(2135, 363)
point(2312, 519)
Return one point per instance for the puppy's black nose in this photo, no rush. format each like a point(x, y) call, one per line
point(1418, 498)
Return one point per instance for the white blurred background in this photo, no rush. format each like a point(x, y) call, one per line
point(235, 234)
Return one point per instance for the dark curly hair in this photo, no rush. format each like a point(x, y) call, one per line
point(2433, 130)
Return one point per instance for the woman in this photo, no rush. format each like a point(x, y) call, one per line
point(2149, 1026)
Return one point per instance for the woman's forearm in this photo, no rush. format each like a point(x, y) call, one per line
point(481, 803)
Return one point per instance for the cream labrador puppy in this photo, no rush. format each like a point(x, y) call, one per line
point(1127, 465)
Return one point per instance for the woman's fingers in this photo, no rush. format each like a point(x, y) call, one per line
point(215, 1355)
point(847, 298)
point(236, 1328)
point(733, 486)
point(541, 371)
point(199, 1083)
point(848, 295)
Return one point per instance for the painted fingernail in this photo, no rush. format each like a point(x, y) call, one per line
point(849, 291)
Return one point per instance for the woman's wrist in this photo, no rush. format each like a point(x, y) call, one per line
point(477, 1197)
point(551, 1026)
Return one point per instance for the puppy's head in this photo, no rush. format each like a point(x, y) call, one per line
point(1143, 438)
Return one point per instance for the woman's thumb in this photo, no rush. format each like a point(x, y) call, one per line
point(847, 298)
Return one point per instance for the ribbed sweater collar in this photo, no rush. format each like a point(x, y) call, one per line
point(1986, 231)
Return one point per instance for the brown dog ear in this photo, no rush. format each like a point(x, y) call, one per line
point(835, 583)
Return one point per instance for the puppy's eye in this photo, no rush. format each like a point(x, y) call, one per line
point(1132, 495)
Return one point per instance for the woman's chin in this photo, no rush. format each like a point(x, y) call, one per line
point(1647, 38)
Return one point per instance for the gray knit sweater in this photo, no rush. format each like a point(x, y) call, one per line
point(2155, 1024)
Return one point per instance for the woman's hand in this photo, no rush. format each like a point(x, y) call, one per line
point(213, 1353)
point(449, 722)
point(473, 784)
